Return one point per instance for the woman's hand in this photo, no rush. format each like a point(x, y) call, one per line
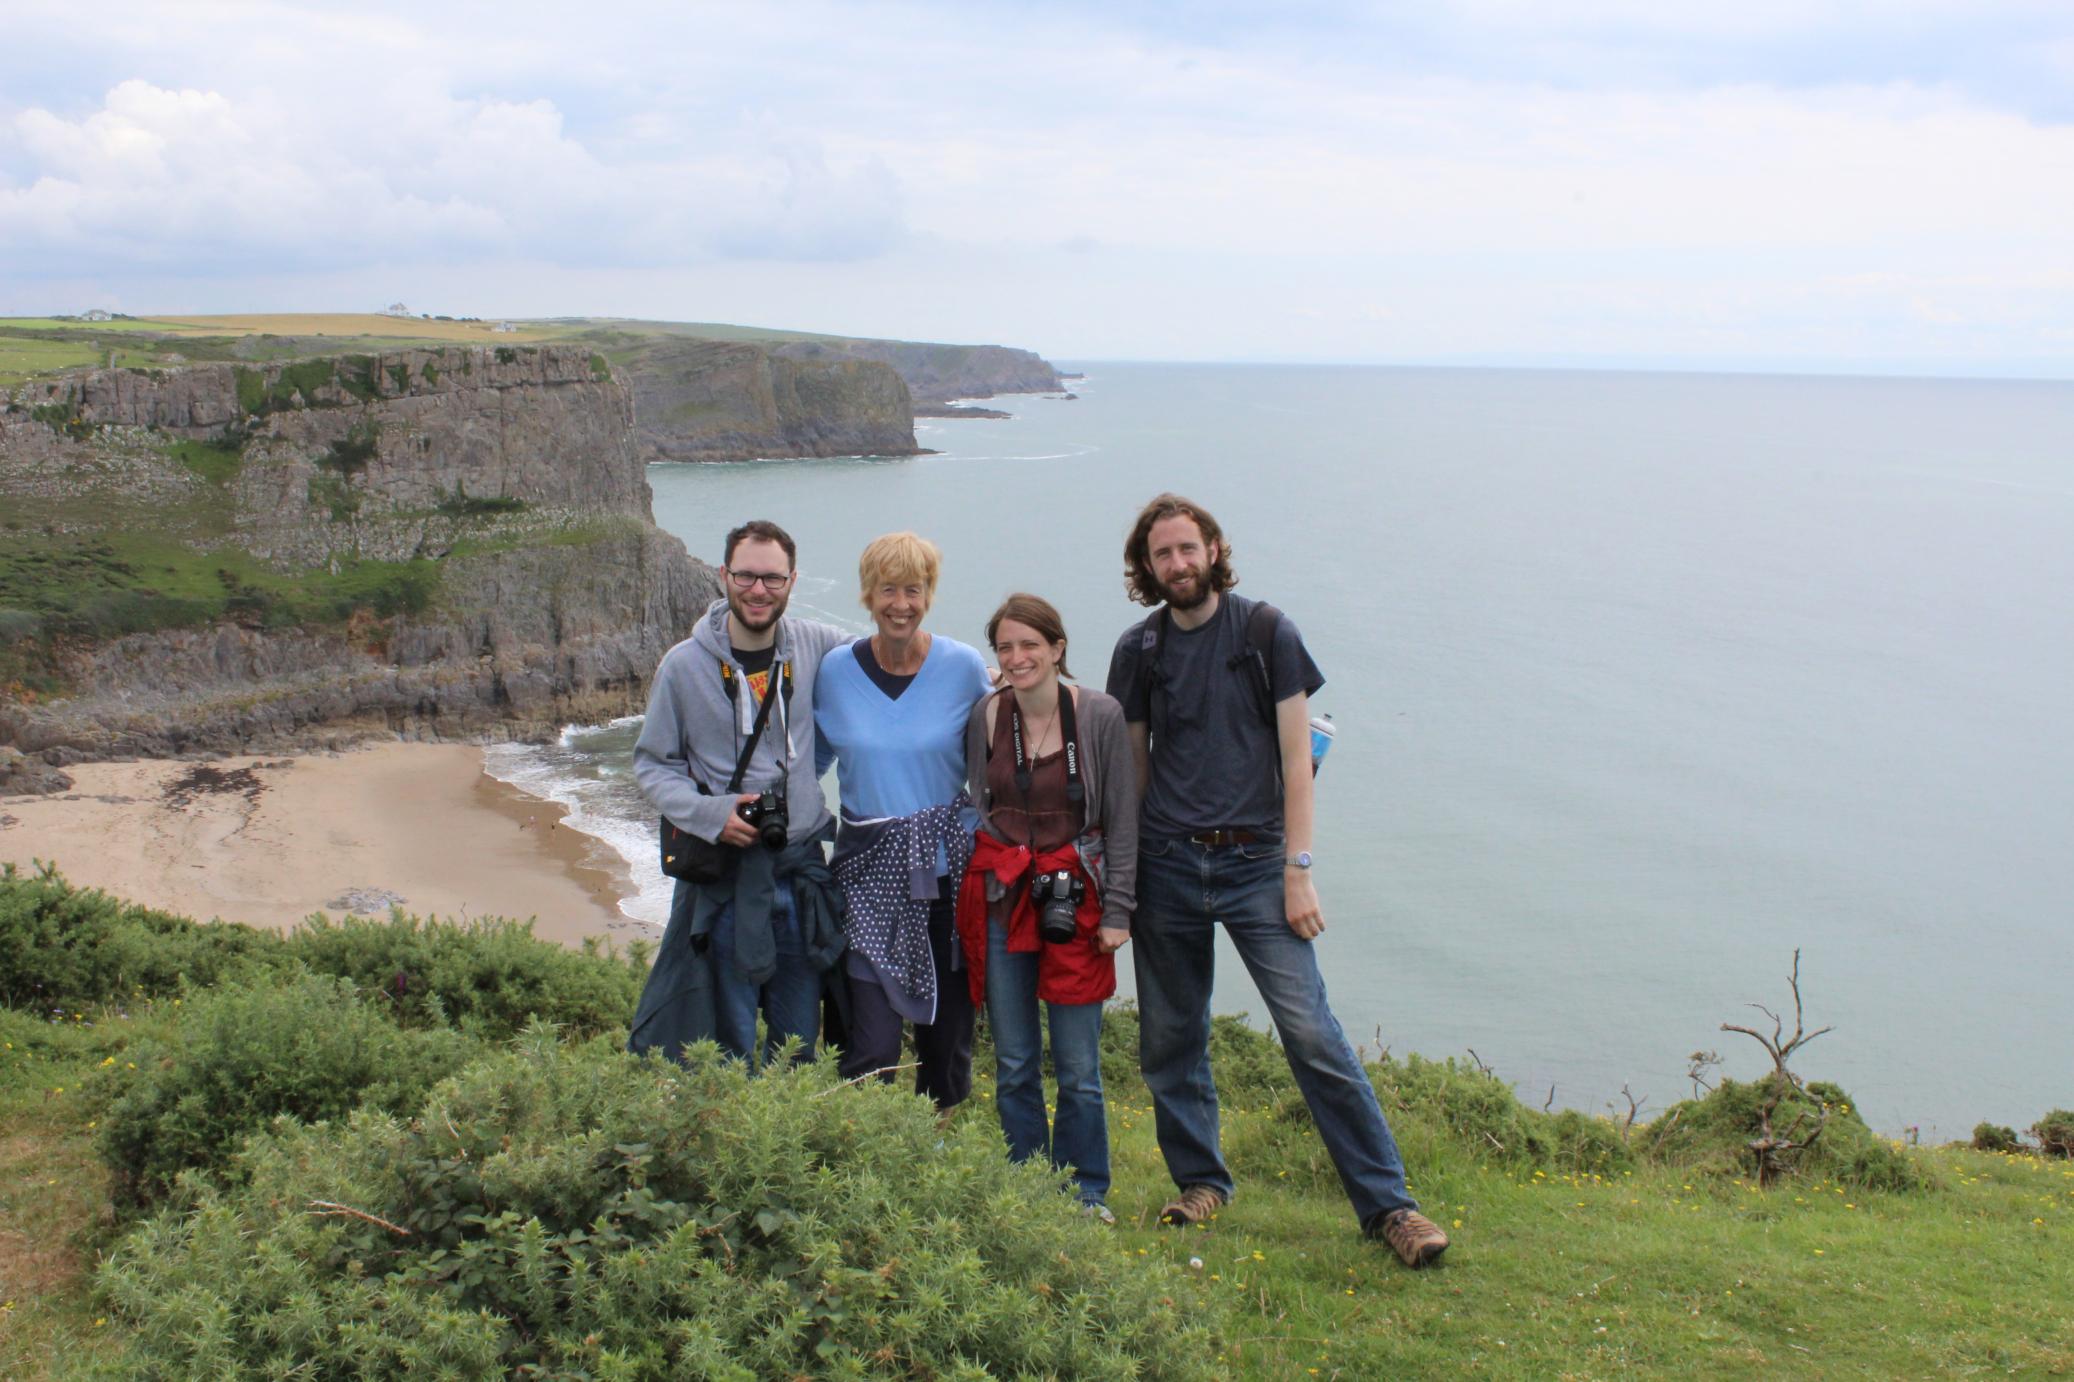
point(1111, 939)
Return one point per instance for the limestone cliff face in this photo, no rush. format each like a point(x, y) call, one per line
point(936, 373)
point(697, 400)
point(498, 491)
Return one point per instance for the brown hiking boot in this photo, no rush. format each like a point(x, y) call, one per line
point(1193, 1205)
point(1416, 1238)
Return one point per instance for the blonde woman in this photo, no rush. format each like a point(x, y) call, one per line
point(891, 711)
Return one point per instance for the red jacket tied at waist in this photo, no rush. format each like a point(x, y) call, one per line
point(1075, 972)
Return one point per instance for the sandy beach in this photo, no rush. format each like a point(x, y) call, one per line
point(270, 840)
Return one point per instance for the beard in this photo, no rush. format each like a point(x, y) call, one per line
point(1194, 596)
point(757, 623)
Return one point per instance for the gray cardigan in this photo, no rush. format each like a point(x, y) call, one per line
point(1109, 774)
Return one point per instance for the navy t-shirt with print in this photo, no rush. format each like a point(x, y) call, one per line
point(1215, 765)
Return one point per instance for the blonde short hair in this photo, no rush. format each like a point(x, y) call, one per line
point(898, 559)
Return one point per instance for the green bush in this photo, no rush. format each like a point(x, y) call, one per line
point(1987, 1137)
point(489, 976)
point(2055, 1133)
point(1713, 1134)
point(67, 947)
point(241, 1055)
point(571, 1211)
point(1482, 1114)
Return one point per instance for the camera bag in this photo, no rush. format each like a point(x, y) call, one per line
point(688, 857)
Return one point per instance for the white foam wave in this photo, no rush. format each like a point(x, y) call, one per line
point(592, 810)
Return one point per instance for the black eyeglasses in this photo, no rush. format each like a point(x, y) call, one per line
point(772, 580)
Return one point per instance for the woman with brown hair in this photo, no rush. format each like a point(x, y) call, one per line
point(1048, 894)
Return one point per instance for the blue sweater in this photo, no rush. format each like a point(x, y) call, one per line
point(895, 757)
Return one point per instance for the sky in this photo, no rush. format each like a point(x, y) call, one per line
point(1880, 186)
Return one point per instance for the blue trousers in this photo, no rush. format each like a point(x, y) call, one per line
point(1078, 1141)
point(789, 1001)
point(1185, 890)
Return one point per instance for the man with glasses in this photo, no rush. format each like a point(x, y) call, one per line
point(762, 938)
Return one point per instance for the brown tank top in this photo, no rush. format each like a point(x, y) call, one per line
point(1046, 813)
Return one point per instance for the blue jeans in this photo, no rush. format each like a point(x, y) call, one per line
point(1079, 1139)
point(790, 1000)
point(1184, 891)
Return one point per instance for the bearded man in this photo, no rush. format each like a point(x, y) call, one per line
point(762, 939)
point(1216, 691)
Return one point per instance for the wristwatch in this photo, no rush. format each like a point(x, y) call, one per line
point(1299, 860)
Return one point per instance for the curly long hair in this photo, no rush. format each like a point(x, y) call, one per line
point(1138, 579)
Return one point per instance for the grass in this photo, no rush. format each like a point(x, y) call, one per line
point(126, 581)
point(1657, 1272)
point(23, 357)
point(372, 326)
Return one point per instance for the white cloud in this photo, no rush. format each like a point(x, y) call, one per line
point(210, 180)
point(1100, 180)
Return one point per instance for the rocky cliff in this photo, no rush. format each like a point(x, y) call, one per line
point(936, 373)
point(697, 400)
point(438, 543)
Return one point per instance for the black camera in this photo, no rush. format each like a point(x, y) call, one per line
point(767, 813)
point(1057, 897)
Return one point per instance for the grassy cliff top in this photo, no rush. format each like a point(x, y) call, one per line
point(1637, 1265)
point(31, 346)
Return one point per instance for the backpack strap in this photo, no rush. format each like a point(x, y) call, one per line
point(1254, 661)
point(1259, 657)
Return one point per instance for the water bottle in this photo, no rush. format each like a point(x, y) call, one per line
point(1321, 740)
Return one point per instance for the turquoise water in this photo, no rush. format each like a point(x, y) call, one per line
point(1642, 681)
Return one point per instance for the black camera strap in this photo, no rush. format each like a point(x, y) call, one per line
point(1075, 793)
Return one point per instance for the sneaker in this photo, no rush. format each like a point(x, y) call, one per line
point(1416, 1239)
point(1099, 1212)
point(1193, 1205)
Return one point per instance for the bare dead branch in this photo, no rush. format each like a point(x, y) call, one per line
point(867, 1075)
point(1482, 1068)
point(327, 1209)
point(1627, 1124)
point(1549, 1102)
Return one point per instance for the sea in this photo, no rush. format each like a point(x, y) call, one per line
point(1645, 684)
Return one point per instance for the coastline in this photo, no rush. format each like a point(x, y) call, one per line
point(269, 840)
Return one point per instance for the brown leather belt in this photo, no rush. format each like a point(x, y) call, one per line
point(1217, 839)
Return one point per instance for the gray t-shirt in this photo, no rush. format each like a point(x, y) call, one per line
point(1215, 760)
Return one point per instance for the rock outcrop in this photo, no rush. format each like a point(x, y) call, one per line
point(937, 373)
point(493, 498)
point(698, 400)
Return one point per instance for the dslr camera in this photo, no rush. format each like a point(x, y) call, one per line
point(768, 814)
point(1057, 897)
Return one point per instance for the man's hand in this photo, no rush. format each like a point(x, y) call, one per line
point(1111, 939)
point(738, 832)
point(1300, 903)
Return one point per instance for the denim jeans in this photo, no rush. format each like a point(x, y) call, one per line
point(1184, 891)
point(790, 1000)
point(1079, 1139)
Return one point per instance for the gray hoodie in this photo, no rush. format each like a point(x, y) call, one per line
point(693, 731)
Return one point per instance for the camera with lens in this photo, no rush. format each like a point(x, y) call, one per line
point(767, 813)
point(1057, 897)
